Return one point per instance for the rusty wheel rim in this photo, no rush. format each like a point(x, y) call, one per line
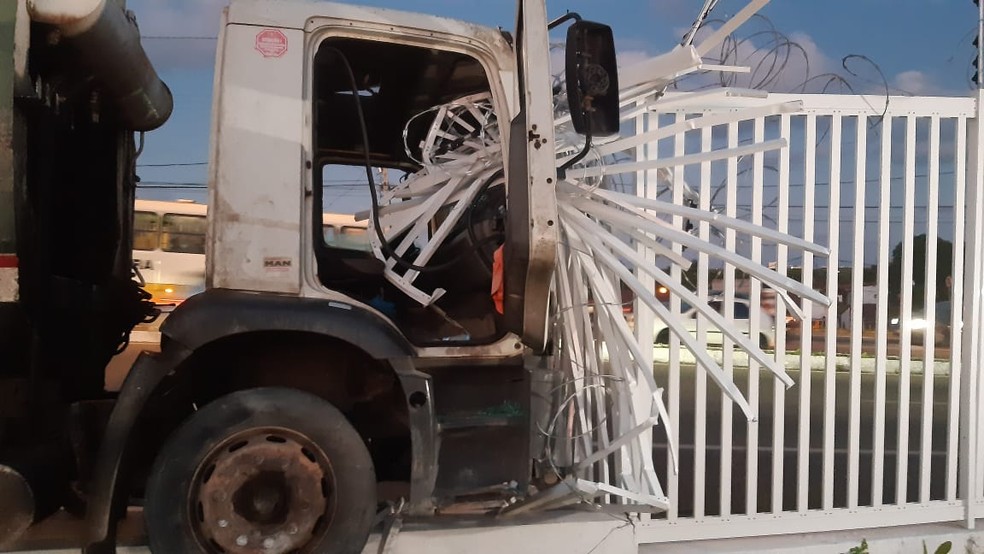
point(262, 490)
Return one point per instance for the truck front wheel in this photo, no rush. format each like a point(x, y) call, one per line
point(262, 470)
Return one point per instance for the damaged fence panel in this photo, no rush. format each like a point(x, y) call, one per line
point(608, 400)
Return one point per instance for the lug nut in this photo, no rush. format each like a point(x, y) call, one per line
point(242, 540)
point(268, 543)
point(223, 523)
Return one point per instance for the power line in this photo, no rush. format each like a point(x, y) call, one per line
point(173, 164)
point(165, 185)
point(176, 37)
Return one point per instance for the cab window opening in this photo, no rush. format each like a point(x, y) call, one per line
point(398, 87)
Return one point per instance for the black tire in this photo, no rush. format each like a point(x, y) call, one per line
point(238, 444)
point(764, 341)
point(663, 337)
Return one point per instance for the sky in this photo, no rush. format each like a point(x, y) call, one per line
point(922, 47)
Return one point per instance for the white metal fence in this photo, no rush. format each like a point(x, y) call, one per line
point(893, 187)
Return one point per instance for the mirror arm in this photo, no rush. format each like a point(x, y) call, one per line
point(566, 17)
point(562, 170)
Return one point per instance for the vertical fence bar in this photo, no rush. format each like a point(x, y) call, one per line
point(857, 312)
point(754, 323)
point(972, 320)
point(977, 386)
point(806, 334)
point(929, 354)
point(881, 341)
point(956, 312)
point(976, 406)
point(727, 407)
point(673, 485)
point(830, 358)
point(643, 314)
point(905, 315)
point(779, 392)
point(700, 377)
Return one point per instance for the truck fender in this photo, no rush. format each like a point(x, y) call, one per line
point(216, 314)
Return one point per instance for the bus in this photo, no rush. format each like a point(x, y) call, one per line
point(169, 245)
point(169, 248)
point(344, 231)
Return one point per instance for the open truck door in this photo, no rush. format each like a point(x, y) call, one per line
point(530, 249)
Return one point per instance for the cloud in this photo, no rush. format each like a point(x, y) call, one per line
point(919, 83)
point(628, 58)
point(675, 11)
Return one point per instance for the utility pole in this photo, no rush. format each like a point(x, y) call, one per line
point(384, 178)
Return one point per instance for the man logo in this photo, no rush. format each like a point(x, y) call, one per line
point(277, 264)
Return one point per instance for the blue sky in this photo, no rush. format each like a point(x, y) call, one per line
point(921, 46)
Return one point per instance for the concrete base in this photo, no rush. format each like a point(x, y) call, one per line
point(571, 533)
point(902, 540)
point(599, 534)
point(575, 533)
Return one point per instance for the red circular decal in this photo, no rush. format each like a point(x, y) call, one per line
point(271, 43)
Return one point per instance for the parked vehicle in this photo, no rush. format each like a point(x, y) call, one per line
point(917, 324)
point(169, 245)
point(169, 248)
point(766, 328)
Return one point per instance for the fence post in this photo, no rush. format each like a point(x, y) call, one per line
point(972, 318)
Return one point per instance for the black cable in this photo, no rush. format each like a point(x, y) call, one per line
point(374, 215)
point(487, 264)
point(562, 170)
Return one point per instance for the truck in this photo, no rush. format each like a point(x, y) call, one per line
point(314, 386)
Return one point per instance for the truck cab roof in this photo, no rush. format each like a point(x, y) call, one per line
point(297, 14)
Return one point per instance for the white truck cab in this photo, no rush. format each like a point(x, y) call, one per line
point(286, 128)
point(325, 362)
point(312, 385)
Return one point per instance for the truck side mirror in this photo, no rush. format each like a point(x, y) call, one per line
point(592, 79)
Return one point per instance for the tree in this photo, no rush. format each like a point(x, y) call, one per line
point(943, 264)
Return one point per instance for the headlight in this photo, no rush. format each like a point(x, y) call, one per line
point(895, 321)
point(918, 324)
